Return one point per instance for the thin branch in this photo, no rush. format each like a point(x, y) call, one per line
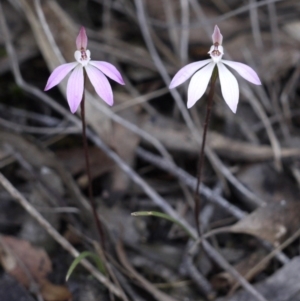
point(184, 40)
point(274, 24)
point(160, 66)
point(15, 194)
point(190, 181)
point(255, 24)
point(171, 21)
point(40, 13)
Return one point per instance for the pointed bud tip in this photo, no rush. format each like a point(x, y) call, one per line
point(217, 36)
point(81, 40)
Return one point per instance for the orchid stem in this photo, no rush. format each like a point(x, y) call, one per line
point(88, 171)
point(201, 155)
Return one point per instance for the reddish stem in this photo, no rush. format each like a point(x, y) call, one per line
point(87, 165)
point(201, 156)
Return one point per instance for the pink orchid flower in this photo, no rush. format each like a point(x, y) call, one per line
point(200, 78)
point(95, 71)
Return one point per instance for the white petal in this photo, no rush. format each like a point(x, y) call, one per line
point(58, 74)
point(75, 88)
point(109, 70)
point(199, 83)
point(186, 72)
point(100, 83)
point(245, 71)
point(229, 87)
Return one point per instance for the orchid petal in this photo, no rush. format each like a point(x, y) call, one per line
point(81, 40)
point(199, 84)
point(58, 74)
point(75, 88)
point(229, 87)
point(109, 70)
point(100, 83)
point(245, 71)
point(217, 36)
point(186, 72)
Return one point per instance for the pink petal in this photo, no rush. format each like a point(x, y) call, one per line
point(100, 83)
point(245, 71)
point(199, 84)
point(58, 74)
point(217, 36)
point(229, 87)
point(75, 88)
point(186, 72)
point(109, 70)
point(81, 40)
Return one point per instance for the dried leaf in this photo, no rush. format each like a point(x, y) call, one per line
point(273, 222)
point(52, 292)
point(23, 261)
point(74, 161)
point(281, 286)
point(225, 280)
point(30, 265)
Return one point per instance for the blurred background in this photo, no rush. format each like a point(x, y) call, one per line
point(144, 152)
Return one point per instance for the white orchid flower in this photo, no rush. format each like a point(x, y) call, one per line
point(200, 78)
point(95, 70)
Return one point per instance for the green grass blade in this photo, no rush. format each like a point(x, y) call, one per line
point(164, 216)
point(83, 255)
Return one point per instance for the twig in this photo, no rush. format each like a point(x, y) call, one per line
point(184, 40)
point(266, 259)
point(139, 100)
point(50, 121)
point(232, 13)
point(190, 181)
point(53, 233)
point(171, 19)
point(211, 252)
point(264, 97)
point(197, 24)
point(202, 18)
point(48, 33)
point(20, 128)
point(286, 94)
point(34, 286)
point(196, 276)
point(255, 24)
point(158, 200)
point(46, 47)
point(151, 193)
point(274, 24)
point(258, 109)
point(127, 287)
point(160, 66)
point(144, 282)
point(253, 101)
